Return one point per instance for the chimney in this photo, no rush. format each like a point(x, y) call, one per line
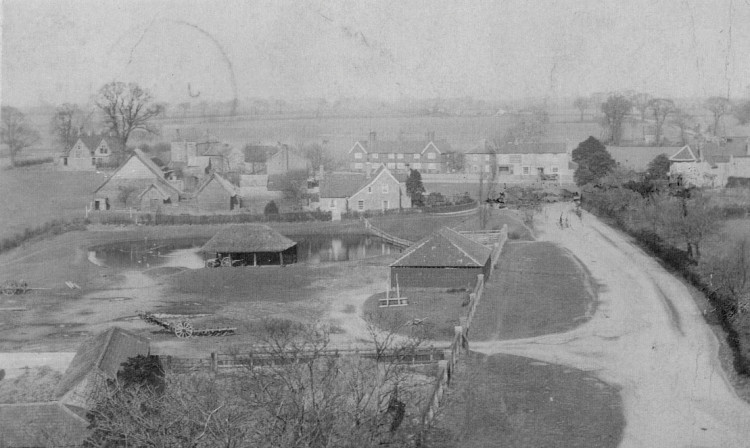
point(371, 140)
point(368, 174)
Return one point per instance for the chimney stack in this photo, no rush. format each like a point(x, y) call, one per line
point(371, 140)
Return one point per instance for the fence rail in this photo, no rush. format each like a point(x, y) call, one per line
point(386, 236)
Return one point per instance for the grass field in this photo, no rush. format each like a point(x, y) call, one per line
point(34, 195)
point(510, 401)
point(537, 288)
point(437, 309)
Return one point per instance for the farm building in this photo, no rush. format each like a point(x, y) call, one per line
point(124, 188)
point(97, 360)
point(41, 424)
point(359, 192)
point(88, 152)
point(445, 259)
point(251, 245)
point(216, 194)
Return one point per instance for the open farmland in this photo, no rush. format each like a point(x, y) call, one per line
point(35, 195)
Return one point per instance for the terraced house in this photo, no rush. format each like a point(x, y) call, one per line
point(399, 156)
point(519, 162)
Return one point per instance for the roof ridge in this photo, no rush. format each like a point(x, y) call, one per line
point(458, 246)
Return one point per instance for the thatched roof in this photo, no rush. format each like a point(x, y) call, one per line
point(444, 248)
point(245, 238)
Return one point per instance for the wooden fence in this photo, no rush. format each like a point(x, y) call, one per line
point(386, 236)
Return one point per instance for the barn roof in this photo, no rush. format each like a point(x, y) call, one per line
point(103, 353)
point(243, 238)
point(41, 424)
point(444, 248)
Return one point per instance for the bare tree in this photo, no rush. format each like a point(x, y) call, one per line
point(581, 103)
point(719, 106)
point(729, 274)
point(16, 132)
point(126, 108)
point(65, 123)
point(661, 108)
point(691, 220)
point(641, 102)
point(615, 109)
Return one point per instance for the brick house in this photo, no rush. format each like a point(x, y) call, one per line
point(445, 259)
point(352, 191)
point(399, 155)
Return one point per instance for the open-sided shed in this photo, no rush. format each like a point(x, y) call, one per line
point(445, 259)
point(251, 245)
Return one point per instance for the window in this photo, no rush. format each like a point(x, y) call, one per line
point(417, 166)
point(103, 149)
point(476, 168)
point(384, 188)
point(385, 205)
point(392, 165)
point(475, 157)
point(65, 161)
point(515, 158)
point(400, 166)
point(369, 189)
point(486, 168)
point(357, 155)
point(526, 170)
point(391, 156)
point(357, 166)
point(417, 156)
point(375, 156)
point(360, 205)
point(399, 156)
point(486, 157)
point(332, 204)
point(431, 166)
point(554, 169)
point(431, 156)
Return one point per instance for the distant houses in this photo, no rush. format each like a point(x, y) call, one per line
point(89, 152)
point(714, 164)
point(520, 162)
point(426, 155)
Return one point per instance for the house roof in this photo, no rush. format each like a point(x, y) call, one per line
point(247, 238)
point(520, 148)
point(341, 184)
point(103, 353)
point(403, 147)
point(638, 157)
point(153, 167)
point(685, 154)
point(444, 248)
point(93, 141)
point(41, 424)
point(249, 150)
point(225, 184)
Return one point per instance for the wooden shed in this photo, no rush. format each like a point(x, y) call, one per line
point(445, 259)
point(251, 245)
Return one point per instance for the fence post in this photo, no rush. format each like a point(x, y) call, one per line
point(214, 363)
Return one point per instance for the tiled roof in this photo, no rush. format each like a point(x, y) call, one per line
point(141, 183)
point(41, 424)
point(487, 147)
point(638, 157)
point(341, 185)
point(403, 147)
point(444, 248)
point(103, 353)
point(247, 238)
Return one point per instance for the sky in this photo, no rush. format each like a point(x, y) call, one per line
point(56, 51)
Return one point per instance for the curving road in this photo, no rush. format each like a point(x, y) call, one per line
point(647, 337)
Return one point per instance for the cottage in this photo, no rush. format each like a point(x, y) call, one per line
point(714, 164)
point(96, 361)
point(381, 190)
point(520, 162)
point(128, 185)
point(251, 245)
point(216, 193)
point(89, 152)
point(426, 156)
point(445, 259)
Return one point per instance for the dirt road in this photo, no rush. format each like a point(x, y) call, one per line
point(647, 337)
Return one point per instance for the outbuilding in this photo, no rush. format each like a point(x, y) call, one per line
point(445, 259)
point(251, 245)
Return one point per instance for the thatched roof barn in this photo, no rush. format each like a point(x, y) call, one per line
point(251, 245)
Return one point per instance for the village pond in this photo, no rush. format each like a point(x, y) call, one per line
point(185, 252)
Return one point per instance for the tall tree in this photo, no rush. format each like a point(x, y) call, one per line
point(581, 103)
point(641, 102)
point(594, 162)
point(661, 108)
point(414, 187)
point(615, 109)
point(126, 108)
point(718, 106)
point(16, 132)
point(64, 124)
point(683, 121)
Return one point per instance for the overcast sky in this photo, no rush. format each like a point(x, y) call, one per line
point(64, 50)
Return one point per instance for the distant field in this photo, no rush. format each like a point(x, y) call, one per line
point(536, 289)
point(32, 196)
point(516, 402)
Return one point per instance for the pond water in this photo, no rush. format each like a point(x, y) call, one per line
point(314, 249)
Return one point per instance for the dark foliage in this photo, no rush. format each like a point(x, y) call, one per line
point(594, 162)
point(415, 188)
point(142, 371)
point(271, 209)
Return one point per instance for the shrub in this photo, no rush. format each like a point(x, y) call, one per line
point(271, 209)
point(30, 162)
